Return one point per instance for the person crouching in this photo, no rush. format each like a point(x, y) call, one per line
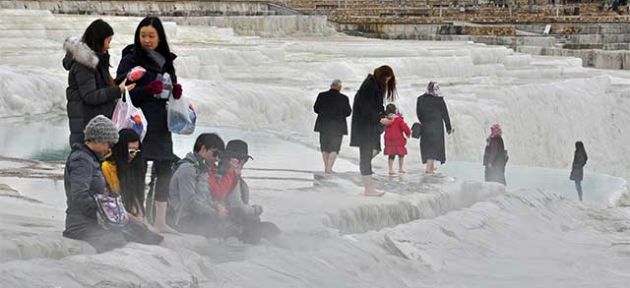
point(237, 209)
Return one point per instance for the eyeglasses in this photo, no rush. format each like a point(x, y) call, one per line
point(133, 152)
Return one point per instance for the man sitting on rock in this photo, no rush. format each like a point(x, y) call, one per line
point(235, 198)
point(193, 210)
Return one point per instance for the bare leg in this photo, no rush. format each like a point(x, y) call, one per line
point(390, 165)
point(325, 156)
point(401, 164)
point(429, 168)
point(370, 190)
point(160, 218)
point(331, 161)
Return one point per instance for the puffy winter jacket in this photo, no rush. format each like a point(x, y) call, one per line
point(82, 178)
point(394, 132)
point(90, 91)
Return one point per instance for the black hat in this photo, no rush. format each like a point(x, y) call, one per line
point(237, 149)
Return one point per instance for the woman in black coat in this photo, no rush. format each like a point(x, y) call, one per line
point(433, 115)
point(577, 170)
point(495, 156)
point(367, 119)
point(151, 51)
point(91, 90)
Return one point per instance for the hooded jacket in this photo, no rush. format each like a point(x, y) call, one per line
point(90, 90)
point(82, 179)
point(189, 192)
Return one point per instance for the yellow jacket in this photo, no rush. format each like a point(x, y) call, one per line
point(111, 176)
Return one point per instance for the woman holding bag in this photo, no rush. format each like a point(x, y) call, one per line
point(91, 89)
point(151, 52)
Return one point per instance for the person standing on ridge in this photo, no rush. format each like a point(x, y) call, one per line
point(577, 169)
point(332, 108)
point(368, 120)
point(396, 136)
point(495, 156)
point(91, 90)
point(433, 116)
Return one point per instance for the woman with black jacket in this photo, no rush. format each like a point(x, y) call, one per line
point(577, 168)
point(151, 51)
point(367, 119)
point(91, 90)
point(433, 116)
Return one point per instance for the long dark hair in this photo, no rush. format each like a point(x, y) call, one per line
point(162, 47)
point(579, 149)
point(130, 175)
point(95, 35)
point(380, 74)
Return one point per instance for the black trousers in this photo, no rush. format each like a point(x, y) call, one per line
point(365, 159)
point(162, 172)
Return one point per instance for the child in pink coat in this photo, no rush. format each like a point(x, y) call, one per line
point(396, 135)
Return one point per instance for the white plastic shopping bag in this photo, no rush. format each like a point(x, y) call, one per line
point(181, 116)
point(128, 116)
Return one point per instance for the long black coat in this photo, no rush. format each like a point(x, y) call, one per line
point(332, 108)
point(368, 111)
point(433, 115)
point(495, 160)
point(90, 91)
point(158, 142)
point(577, 169)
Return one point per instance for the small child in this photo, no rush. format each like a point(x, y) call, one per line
point(396, 135)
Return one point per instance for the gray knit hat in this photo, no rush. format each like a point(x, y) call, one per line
point(100, 129)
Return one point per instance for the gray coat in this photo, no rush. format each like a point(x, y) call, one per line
point(82, 178)
point(433, 115)
point(189, 192)
point(90, 90)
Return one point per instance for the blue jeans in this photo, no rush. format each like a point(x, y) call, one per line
point(578, 186)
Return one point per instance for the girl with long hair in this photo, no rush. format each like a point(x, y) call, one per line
point(91, 89)
point(152, 52)
point(368, 117)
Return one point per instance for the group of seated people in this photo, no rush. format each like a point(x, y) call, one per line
point(208, 196)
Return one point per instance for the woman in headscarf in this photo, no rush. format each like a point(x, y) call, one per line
point(433, 115)
point(495, 156)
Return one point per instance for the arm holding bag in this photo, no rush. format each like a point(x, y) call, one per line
point(128, 116)
point(181, 116)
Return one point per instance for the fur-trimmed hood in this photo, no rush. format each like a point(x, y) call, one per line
point(79, 52)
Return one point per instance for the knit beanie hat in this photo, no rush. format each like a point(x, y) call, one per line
point(100, 129)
